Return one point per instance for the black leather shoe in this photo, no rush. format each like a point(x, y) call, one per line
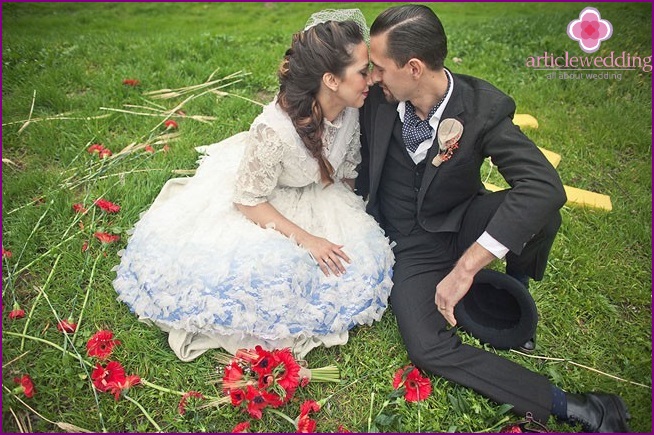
point(598, 412)
point(529, 346)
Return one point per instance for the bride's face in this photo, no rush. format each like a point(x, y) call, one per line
point(353, 85)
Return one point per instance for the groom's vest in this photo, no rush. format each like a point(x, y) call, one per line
point(399, 186)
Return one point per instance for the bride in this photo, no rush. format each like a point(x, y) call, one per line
point(268, 244)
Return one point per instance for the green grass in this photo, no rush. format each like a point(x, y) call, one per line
point(595, 301)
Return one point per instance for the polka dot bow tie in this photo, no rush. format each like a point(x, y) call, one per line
point(414, 130)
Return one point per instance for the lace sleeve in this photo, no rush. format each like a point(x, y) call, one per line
point(353, 156)
point(260, 167)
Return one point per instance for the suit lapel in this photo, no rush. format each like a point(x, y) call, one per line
point(382, 130)
point(454, 108)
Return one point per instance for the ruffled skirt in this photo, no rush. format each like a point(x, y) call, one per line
point(198, 268)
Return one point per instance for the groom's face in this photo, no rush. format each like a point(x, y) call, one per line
point(394, 81)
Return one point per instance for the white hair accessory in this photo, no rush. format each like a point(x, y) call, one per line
point(340, 15)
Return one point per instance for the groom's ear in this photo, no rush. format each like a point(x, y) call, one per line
point(416, 67)
point(330, 80)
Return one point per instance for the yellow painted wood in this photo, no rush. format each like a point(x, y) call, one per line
point(551, 156)
point(587, 198)
point(580, 197)
point(525, 121)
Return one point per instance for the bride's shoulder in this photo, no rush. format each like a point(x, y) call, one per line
point(273, 118)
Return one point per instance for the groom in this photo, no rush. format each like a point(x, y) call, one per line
point(425, 133)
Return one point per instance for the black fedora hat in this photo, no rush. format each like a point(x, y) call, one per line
point(498, 310)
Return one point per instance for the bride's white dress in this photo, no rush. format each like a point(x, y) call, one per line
point(199, 269)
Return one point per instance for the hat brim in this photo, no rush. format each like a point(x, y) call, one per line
point(498, 310)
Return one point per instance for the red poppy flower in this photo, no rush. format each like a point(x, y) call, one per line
point(241, 427)
point(119, 386)
point(16, 312)
point(104, 377)
point(101, 344)
point(342, 429)
point(183, 402)
point(79, 208)
point(5, 253)
point(105, 152)
point(106, 237)
point(265, 363)
point(256, 402)
point(85, 246)
point(148, 149)
point(237, 396)
point(170, 124)
point(417, 387)
point(66, 326)
point(107, 206)
point(95, 148)
point(131, 82)
point(26, 385)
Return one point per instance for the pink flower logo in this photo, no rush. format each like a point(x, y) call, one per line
point(590, 30)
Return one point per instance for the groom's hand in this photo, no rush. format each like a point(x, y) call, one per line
point(450, 291)
point(457, 283)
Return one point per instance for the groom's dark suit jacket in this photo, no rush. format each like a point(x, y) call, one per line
point(446, 191)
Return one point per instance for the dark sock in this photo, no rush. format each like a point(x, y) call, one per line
point(520, 276)
point(559, 403)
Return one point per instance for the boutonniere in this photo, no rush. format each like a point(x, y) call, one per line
point(449, 133)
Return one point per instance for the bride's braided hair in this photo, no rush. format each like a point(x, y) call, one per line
point(325, 47)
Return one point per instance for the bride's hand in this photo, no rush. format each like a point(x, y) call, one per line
point(328, 255)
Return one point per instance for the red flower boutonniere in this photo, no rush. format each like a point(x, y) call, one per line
point(449, 133)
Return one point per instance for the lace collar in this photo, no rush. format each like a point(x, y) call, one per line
point(338, 121)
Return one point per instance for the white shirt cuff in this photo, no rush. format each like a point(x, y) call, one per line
point(493, 246)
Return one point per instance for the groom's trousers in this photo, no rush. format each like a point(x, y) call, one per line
point(422, 260)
